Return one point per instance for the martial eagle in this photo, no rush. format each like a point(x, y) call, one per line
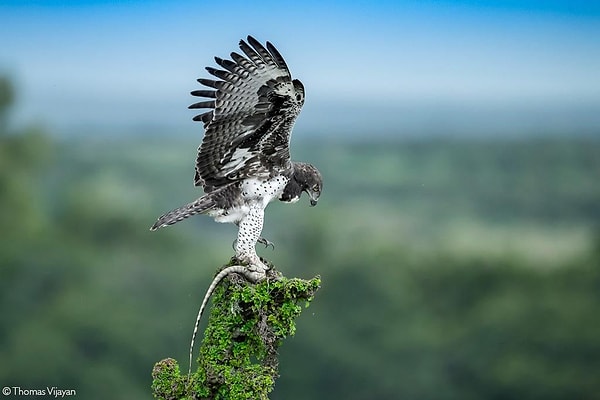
point(244, 160)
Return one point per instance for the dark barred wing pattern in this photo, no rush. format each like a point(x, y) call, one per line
point(251, 109)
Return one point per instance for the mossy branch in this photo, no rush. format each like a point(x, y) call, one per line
point(238, 354)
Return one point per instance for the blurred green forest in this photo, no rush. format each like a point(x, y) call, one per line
point(451, 268)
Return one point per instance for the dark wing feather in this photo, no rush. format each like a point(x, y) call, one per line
point(249, 117)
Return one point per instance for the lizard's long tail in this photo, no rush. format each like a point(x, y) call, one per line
point(199, 206)
point(239, 269)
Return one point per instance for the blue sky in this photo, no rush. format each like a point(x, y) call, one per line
point(495, 67)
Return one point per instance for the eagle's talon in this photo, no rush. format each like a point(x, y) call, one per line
point(266, 242)
point(260, 240)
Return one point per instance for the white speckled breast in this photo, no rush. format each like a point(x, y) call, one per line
point(256, 191)
point(256, 194)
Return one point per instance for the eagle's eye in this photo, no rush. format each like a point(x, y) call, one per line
point(298, 97)
point(315, 188)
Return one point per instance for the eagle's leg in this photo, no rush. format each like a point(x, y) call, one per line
point(249, 231)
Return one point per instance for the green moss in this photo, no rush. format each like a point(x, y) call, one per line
point(238, 355)
point(167, 382)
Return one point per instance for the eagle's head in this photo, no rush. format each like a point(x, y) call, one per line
point(305, 178)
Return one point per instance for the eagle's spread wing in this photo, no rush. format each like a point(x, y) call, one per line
point(254, 103)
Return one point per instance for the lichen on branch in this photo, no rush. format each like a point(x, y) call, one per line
point(238, 354)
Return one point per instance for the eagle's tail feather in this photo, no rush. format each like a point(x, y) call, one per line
point(199, 206)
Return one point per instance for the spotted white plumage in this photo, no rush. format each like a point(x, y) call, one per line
point(244, 159)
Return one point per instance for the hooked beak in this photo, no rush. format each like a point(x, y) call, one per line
point(314, 197)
